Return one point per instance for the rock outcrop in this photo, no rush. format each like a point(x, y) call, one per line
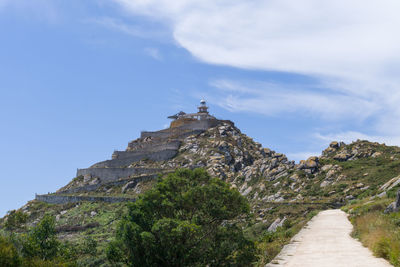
point(394, 206)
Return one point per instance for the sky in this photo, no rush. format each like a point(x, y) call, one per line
point(80, 79)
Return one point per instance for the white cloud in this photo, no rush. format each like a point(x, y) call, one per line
point(351, 136)
point(273, 99)
point(153, 52)
point(307, 36)
point(121, 26)
point(352, 47)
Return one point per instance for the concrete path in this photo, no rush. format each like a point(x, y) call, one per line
point(326, 242)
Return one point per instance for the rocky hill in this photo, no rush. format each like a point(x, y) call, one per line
point(283, 195)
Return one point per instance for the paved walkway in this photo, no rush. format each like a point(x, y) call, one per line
point(326, 242)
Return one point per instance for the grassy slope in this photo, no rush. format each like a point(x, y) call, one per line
point(372, 172)
point(378, 231)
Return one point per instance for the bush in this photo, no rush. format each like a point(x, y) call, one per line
point(187, 219)
point(41, 242)
point(89, 246)
point(15, 219)
point(8, 253)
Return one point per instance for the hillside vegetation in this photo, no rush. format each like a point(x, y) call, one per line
point(282, 195)
point(378, 231)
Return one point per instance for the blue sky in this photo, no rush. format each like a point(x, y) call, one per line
point(79, 79)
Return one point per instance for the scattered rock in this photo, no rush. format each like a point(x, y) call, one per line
point(394, 206)
point(326, 167)
point(334, 144)
point(247, 191)
point(95, 180)
point(390, 184)
point(128, 185)
point(87, 178)
point(341, 177)
point(376, 154)
point(277, 223)
point(295, 177)
point(325, 183)
point(359, 185)
point(381, 195)
point(311, 164)
point(342, 156)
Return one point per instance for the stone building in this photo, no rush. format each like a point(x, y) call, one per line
point(182, 118)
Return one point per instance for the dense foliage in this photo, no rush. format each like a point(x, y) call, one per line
point(40, 247)
point(187, 219)
point(15, 220)
point(8, 253)
point(42, 242)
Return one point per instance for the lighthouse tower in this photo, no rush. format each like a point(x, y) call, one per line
point(203, 107)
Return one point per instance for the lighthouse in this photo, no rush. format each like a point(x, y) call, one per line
point(203, 107)
point(202, 115)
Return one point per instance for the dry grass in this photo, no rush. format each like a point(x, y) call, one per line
point(380, 233)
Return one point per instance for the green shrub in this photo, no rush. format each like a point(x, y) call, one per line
point(89, 246)
point(187, 219)
point(41, 242)
point(8, 253)
point(15, 219)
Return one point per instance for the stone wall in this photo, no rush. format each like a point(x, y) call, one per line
point(59, 199)
point(157, 134)
point(175, 133)
point(113, 174)
point(196, 127)
point(151, 147)
point(137, 156)
point(200, 125)
point(93, 187)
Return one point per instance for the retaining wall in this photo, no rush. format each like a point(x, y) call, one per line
point(200, 125)
point(151, 147)
point(113, 174)
point(89, 188)
point(171, 133)
point(138, 144)
point(137, 156)
point(57, 199)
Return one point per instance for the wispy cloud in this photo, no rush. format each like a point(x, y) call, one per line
point(274, 99)
point(126, 28)
point(351, 47)
point(153, 52)
point(350, 136)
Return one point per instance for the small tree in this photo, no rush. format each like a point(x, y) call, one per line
point(187, 219)
point(89, 246)
point(8, 253)
point(15, 219)
point(42, 242)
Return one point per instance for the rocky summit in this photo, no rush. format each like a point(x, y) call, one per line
point(283, 195)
